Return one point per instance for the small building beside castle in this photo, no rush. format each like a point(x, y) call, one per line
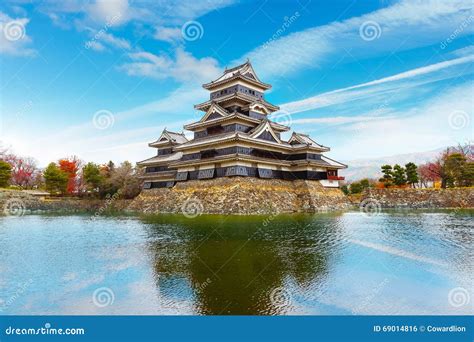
point(235, 137)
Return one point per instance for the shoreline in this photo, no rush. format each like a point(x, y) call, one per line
point(15, 202)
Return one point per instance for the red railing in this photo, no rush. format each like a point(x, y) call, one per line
point(335, 178)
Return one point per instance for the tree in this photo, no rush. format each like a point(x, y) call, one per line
point(467, 174)
point(365, 183)
point(399, 177)
point(345, 189)
point(126, 179)
point(70, 166)
point(55, 179)
point(387, 178)
point(356, 188)
point(92, 177)
point(412, 174)
point(5, 173)
point(24, 171)
point(454, 164)
point(429, 172)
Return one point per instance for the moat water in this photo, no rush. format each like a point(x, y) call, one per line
point(326, 264)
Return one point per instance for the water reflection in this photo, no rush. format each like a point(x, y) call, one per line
point(243, 265)
point(392, 263)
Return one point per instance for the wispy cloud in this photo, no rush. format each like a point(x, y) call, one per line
point(368, 89)
point(338, 120)
point(424, 127)
point(182, 66)
point(402, 26)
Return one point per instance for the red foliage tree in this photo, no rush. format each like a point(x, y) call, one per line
point(24, 170)
point(430, 172)
point(71, 167)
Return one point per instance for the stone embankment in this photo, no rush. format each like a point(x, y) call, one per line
point(241, 195)
point(14, 202)
point(421, 198)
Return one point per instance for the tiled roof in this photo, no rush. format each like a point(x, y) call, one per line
point(161, 159)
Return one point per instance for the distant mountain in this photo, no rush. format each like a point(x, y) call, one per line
point(370, 168)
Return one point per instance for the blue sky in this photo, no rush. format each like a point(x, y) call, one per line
point(101, 79)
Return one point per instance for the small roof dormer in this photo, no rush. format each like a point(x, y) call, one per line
point(168, 138)
point(304, 139)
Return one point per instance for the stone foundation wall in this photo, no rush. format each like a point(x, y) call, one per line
point(14, 202)
point(422, 198)
point(241, 195)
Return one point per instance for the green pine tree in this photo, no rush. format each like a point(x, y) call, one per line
point(92, 176)
point(399, 177)
point(387, 178)
point(5, 173)
point(412, 174)
point(55, 179)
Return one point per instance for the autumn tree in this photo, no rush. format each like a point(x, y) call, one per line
point(56, 180)
point(429, 172)
point(411, 174)
point(70, 166)
point(126, 179)
point(387, 178)
point(5, 173)
point(24, 171)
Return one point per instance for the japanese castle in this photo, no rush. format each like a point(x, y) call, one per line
point(235, 137)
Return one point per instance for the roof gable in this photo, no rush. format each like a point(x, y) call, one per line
point(304, 140)
point(168, 137)
point(264, 131)
point(214, 112)
point(244, 71)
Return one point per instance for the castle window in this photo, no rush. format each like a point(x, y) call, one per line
point(206, 174)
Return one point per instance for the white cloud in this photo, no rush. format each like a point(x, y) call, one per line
point(96, 46)
point(183, 67)
point(116, 42)
point(159, 13)
point(465, 51)
point(168, 34)
point(338, 120)
point(14, 39)
point(423, 127)
point(404, 25)
point(370, 88)
point(114, 12)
